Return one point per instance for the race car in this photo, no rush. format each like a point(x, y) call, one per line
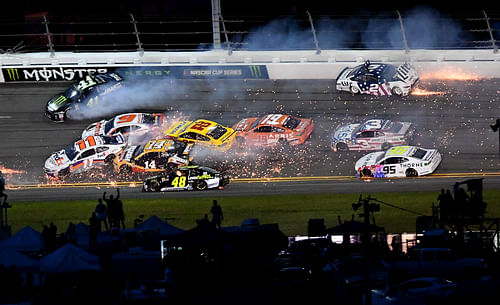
point(195, 177)
point(88, 91)
point(83, 155)
point(373, 134)
point(155, 156)
point(272, 129)
point(398, 161)
point(204, 132)
point(137, 124)
point(378, 79)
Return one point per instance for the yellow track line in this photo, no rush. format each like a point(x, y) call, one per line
point(246, 180)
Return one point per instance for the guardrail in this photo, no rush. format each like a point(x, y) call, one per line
point(69, 66)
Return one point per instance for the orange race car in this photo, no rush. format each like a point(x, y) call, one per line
point(272, 129)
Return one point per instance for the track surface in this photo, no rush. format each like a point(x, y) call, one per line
point(456, 122)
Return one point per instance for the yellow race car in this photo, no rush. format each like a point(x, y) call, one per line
point(204, 132)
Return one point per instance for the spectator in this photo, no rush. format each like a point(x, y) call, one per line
point(111, 208)
point(444, 205)
point(94, 224)
point(120, 215)
point(204, 222)
point(217, 215)
point(2, 189)
point(71, 233)
point(52, 237)
point(102, 213)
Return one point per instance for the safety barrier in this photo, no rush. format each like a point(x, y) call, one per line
point(67, 66)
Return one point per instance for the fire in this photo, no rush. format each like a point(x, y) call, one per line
point(450, 73)
point(418, 91)
point(10, 171)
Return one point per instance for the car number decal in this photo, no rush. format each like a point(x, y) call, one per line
point(200, 125)
point(271, 119)
point(88, 142)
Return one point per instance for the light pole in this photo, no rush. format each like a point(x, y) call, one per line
point(495, 128)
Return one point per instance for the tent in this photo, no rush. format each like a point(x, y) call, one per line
point(68, 259)
point(26, 240)
point(154, 222)
point(9, 257)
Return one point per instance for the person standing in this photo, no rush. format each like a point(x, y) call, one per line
point(101, 211)
point(217, 215)
point(2, 188)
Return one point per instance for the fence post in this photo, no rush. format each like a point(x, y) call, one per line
point(138, 43)
point(313, 30)
point(490, 30)
point(49, 36)
point(403, 32)
point(216, 16)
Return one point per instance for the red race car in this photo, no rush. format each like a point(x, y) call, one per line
point(272, 129)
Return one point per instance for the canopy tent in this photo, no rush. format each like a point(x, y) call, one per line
point(9, 257)
point(69, 259)
point(26, 240)
point(154, 222)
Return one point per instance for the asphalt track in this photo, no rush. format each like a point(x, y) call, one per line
point(455, 119)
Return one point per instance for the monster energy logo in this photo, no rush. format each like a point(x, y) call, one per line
point(255, 71)
point(12, 73)
point(60, 100)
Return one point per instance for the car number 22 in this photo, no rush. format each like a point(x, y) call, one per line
point(389, 170)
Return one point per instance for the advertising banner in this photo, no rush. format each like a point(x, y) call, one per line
point(74, 73)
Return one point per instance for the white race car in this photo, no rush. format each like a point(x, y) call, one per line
point(84, 155)
point(373, 134)
point(398, 161)
point(378, 79)
point(126, 124)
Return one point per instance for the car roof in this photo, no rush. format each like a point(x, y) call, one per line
point(400, 151)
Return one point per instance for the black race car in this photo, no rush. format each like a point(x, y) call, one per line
point(88, 92)
point(193, 177)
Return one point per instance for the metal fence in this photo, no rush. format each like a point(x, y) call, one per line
point(301, 31)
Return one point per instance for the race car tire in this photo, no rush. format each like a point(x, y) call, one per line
point(354, 90)
point(411, 172)
point(63, 173)
point(109, 159)
point(342, 147)
point(125, 169)
point(366, 173)
point(397, 91)
point(200, 185)
point(154, 186)
point(386, 146)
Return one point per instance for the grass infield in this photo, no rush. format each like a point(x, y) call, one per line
point(291, 212)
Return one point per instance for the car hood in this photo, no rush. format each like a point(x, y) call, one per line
point(244, 124)
point(94, 129)
point(57, 160)
point(344, 132)
point(343, 75)
point(369, 159)
point(58, 102)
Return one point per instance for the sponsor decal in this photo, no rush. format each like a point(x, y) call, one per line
point(46, 74)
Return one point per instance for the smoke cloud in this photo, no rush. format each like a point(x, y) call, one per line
point(425, 27)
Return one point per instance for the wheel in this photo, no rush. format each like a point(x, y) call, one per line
point(397, 91)
point(109, 159)
point(385, 146)
point(342, 147)
point(154, 186)
point(411, 172)
point(354, 90)
point(366, 173)
point(200, 185)
point(125, 169)
point(64, 173)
